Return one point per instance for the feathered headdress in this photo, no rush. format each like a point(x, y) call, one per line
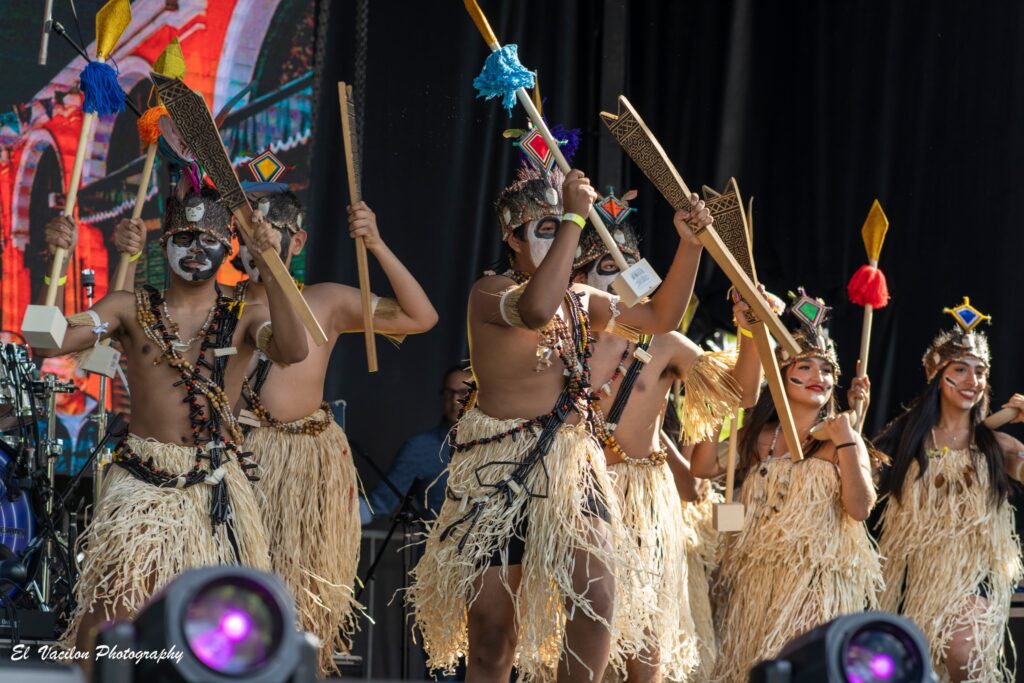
point(811, 335)
point(959, 342)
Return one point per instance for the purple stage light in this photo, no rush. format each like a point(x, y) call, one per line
point(236, 625)
point(883, 666)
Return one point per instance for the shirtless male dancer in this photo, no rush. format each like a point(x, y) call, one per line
point(308, 488)
point(522, 563)
point(640, 374)
point(177, 495)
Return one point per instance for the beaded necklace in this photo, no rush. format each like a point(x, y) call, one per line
point(570, 339)
point(207, 422)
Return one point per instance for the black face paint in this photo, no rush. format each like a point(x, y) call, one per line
point(950, 382)
point(195, 256)
point(795, 381)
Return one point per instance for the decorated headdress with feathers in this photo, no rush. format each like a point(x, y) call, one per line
point(960, 341)
point(618, 215)
point(201, 211)
point(810, 335)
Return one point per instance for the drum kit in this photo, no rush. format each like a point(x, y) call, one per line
point(41, 514)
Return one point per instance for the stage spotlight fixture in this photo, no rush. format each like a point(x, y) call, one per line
point(211, 625)
point(871, 647)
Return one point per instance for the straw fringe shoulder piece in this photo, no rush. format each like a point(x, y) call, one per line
point(945, 546)
point(655, 596)
point(143, 536)
point(799, 562)
point(308, 496)
point(557, 534)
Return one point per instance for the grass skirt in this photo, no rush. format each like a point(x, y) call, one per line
point(445, 580)
point(702, 547)
point(942, 544)
point(308, 494)
point(655, 596)
point(143, 536)
point(799, 562)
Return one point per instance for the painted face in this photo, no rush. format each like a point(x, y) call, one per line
point(249, 263)
point(540, 235)
point(195, 256)
point(810, 381)
point(604, 271)
point(963, 382)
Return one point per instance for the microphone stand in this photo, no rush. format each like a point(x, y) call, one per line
point(44, 41)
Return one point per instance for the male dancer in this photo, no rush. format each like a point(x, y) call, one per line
point(521, 565)
point(309, 488)
point(179, 496)
point(641, 373)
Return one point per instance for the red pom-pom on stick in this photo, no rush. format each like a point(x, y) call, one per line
point(868, 287)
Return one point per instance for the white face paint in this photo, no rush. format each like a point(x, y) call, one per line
point(604, 272)
point(540, 235)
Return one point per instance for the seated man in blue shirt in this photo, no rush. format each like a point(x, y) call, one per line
point(423, 456)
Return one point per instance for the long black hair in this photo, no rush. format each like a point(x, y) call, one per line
point(764, 415)
point(905, 440)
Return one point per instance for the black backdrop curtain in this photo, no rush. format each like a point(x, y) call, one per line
point(815, 107)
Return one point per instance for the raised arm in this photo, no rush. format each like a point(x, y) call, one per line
point(664, 311)
point(857, 489)
point(747, 372)
point(111, 309)
point(543, 294)
point(130, 240)
point(1013, 449)
point(410, 312)
point(284, 340)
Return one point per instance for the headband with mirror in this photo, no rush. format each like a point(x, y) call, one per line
point(271, 198)
point(811, 335)
point(618, 216)
point(959, 342)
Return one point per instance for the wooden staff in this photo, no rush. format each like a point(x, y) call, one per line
point(1000, 418)
point(637, 140)
point(191, 115)
point(634, 282)
point(868, 287)
point(140, 201)
point(353, 164)
point(728, 516)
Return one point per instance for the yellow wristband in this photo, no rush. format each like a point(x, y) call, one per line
point(60, 283)
point(134, 257)
point(575, 218)
point(746, 333)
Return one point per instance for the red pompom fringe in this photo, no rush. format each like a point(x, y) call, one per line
point(149, 124)
point(868, 287)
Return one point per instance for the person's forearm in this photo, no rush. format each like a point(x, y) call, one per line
point(686, 483)
point(41, 297)
point(408, 292)
point(858, 490)
point(747, 372)
point(670, 301)
point(289, 343)
point(704, 463)
point(543, 294)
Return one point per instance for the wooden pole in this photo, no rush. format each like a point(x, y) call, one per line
point(121, 274)
point(730, 458)
point(778, 390)
point(350, 138)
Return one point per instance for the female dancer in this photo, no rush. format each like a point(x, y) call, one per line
point(952, 556)
point(804, 555)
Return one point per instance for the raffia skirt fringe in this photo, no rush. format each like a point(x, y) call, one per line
point(308, 495)
point(799, 562)
point(944, 544)
point(655, 596)
point(446, 582)
point(143, 536)
point(702, 548)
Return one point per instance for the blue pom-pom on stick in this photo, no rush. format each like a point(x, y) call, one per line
point(103, 94)
point(502, 75)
